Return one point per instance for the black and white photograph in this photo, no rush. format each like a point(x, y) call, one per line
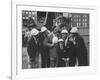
point(51, 40)
point(55, 39)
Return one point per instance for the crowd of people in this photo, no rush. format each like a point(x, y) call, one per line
point(59, 47)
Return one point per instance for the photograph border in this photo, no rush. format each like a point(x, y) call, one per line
point(17, 32)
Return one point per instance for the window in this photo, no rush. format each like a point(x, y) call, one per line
point(80, 20)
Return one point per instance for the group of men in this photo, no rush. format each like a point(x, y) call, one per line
point(58, 48)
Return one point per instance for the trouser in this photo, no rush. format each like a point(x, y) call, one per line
point(53, 61)
point(72, 56)
point(61, 63)
point(82, 60)
point(32, 60)
point(45, 59)
point(72, 61)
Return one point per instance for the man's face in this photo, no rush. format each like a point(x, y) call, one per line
point(58, 22)
point(61, 45)
point(71, 38)
point(42, 20)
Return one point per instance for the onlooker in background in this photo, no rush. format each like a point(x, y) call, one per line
point(31, 23)
point(62, 23)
